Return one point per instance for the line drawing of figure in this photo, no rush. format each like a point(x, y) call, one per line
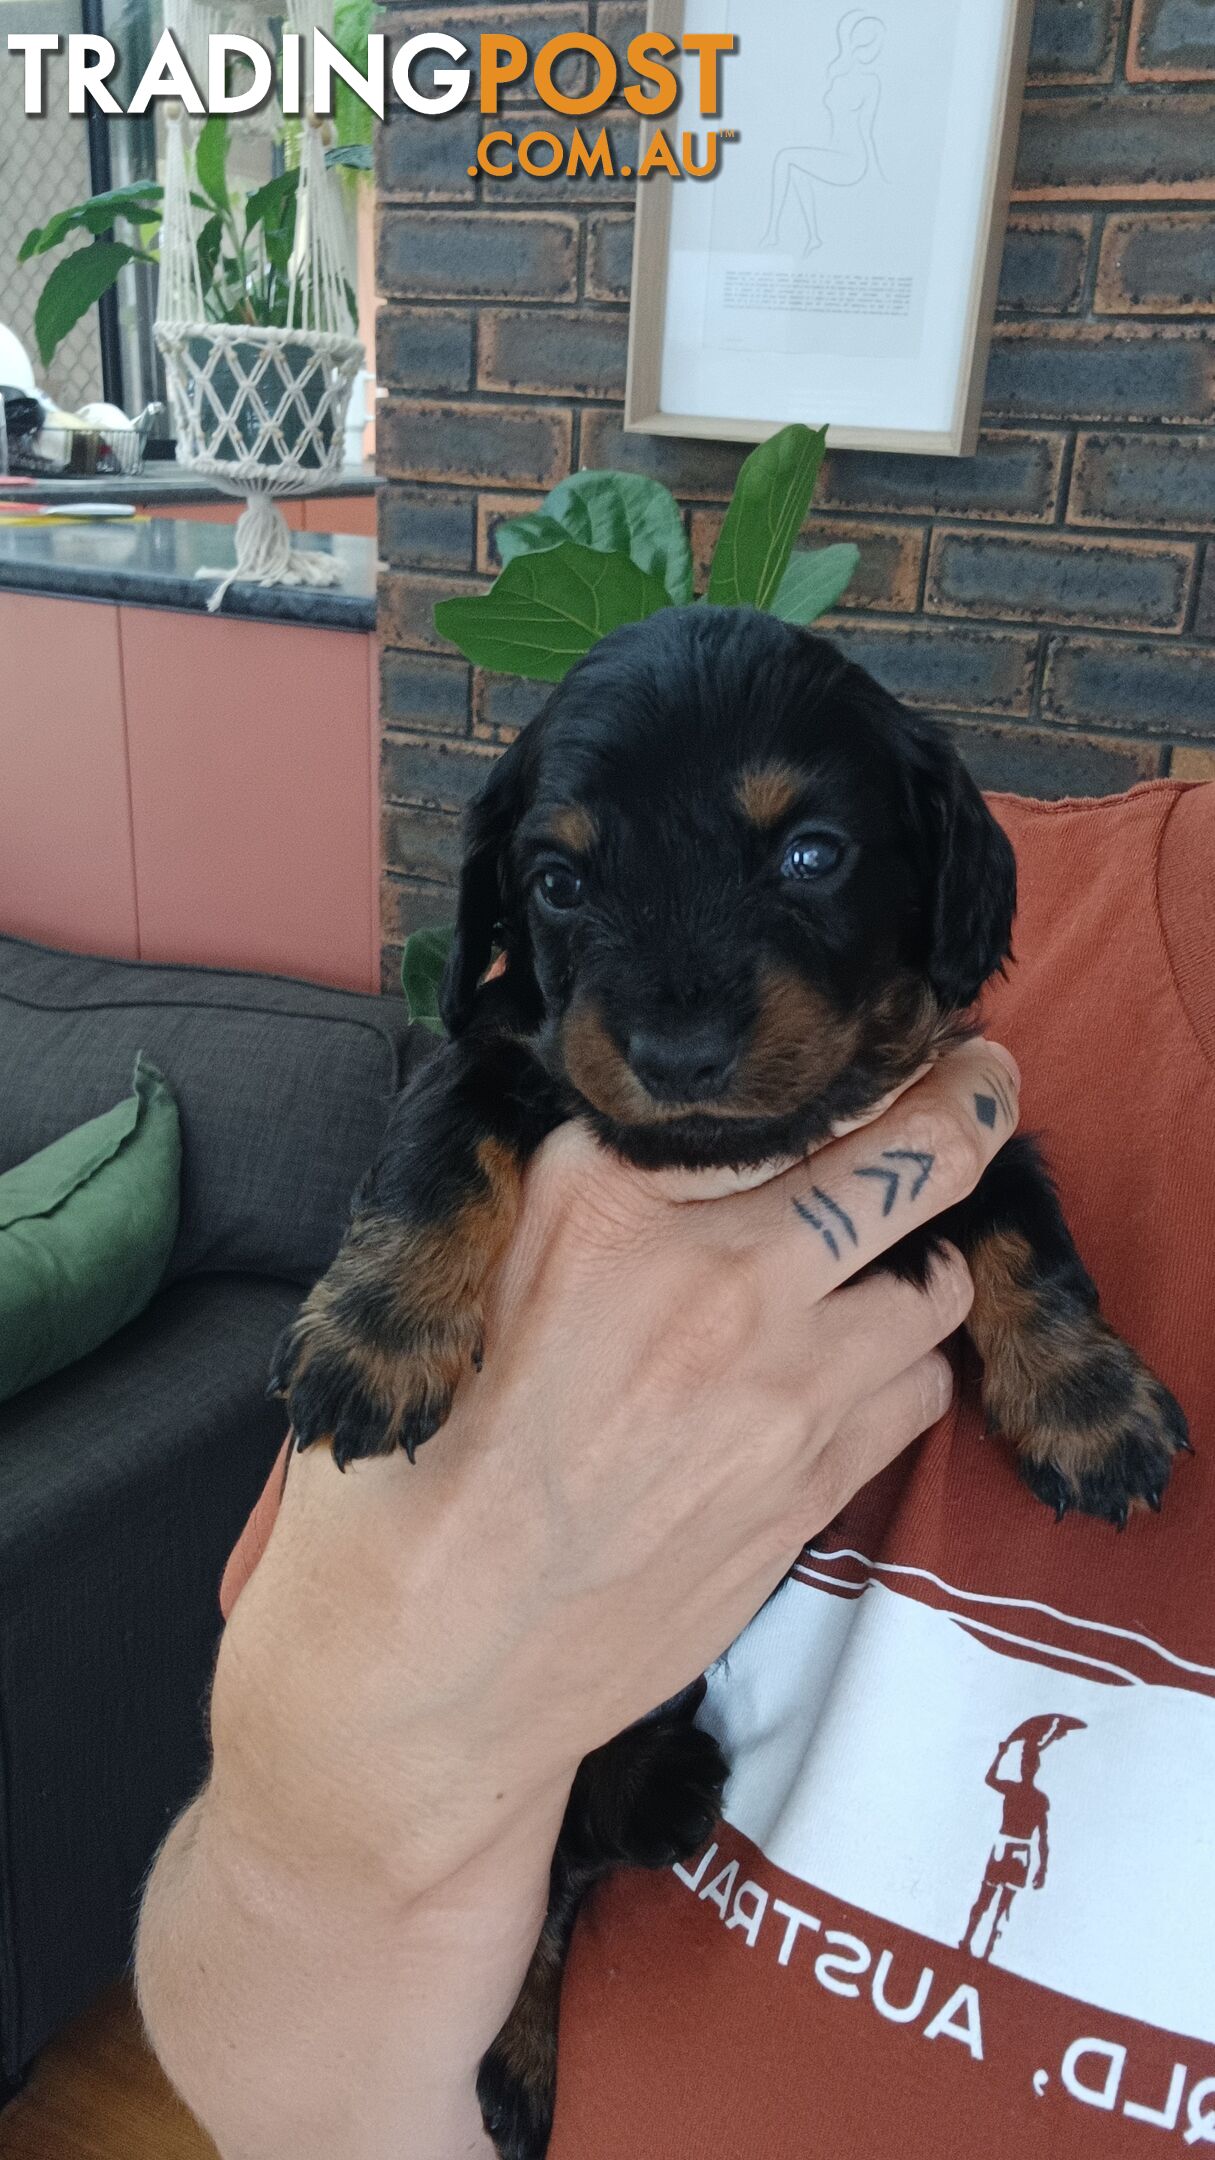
point(1021, 1854)
point(852, 100)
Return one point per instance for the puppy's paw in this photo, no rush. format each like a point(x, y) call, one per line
point(676, 1800)
point(375, 1355)
point(517, 2106)
point(1096, 1430)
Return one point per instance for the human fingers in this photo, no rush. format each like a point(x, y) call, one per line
point(877, 1431)
point(682, 1186)
point(832, 1216)
point(866, 1335)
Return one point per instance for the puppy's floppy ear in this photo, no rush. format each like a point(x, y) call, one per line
point(484, 896)
point(970, 872)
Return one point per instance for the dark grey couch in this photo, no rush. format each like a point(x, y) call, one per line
point(125, 1481)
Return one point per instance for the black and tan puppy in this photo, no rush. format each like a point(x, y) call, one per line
point(742, 894)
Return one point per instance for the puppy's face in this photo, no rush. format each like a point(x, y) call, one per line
point(741, 892)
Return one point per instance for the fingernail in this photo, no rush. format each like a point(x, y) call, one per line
point(1006, 1058)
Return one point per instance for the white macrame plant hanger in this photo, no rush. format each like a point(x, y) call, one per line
point(261, 412)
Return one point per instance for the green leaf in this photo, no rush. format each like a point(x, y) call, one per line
point(422, 965)
point(627, 514)
point(211, 160)
point(814, 581)
point(534, 534)
point(352, 22)
point(207, 248)
point(769, 508)
point(273, 207)
point(138, 203)
point(547, 610)
point(73, 286)
point(267, 202)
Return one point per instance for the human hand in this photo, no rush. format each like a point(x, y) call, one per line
point(676, 1394)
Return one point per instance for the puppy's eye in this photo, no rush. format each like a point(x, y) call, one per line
point(812, 855)
point(559, 888)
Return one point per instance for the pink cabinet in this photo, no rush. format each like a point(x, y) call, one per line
point(189, 788)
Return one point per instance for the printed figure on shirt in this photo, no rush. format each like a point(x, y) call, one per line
point(1021, 1853)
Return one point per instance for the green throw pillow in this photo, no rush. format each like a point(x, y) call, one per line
point(86, 1229)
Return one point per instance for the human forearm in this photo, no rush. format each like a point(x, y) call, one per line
point(428, 1650)
point(298, 2029)
point(311, 1994)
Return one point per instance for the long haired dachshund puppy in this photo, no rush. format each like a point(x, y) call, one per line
point(742, 894)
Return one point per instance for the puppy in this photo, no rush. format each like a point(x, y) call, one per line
point(742, 894)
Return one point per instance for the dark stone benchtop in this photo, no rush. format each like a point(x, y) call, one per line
point(152, 562)
point(163, 482)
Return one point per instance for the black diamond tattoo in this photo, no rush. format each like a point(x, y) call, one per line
point(985, 1106)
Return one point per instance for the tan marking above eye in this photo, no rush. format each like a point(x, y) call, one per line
point(767, 793)
point(573, 827)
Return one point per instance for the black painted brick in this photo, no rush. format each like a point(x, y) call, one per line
point(426, 159)
point(1173, 37)
point(520, 189)
point(1131, 584)
point(609, 257)
point(947, 668)
point(492, 511)
point(1204, 622)
point(476, 255)
point(1157, 689)
point(1116, 146)
point(423, 844)
point(535, 25)
point(426, 694)
point(427, 528)
point(699, 471)
point(1073, 38)
point(406, 907)
point(619, 21)
point(502, 704)
point(1145, 480)
point(1158, 265)
point(506, 445)
point(580, 353)
point(1029, 761)
point(431, 774)
point(424, 349)
point(1045, 264)
point(1013, 476)
point(407, 604)
point(1080, 372)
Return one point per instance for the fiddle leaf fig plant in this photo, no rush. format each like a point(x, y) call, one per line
point(608, 548)
point(422, 965)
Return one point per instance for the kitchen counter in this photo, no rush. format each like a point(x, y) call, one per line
point(153, 563)
point(163, 483)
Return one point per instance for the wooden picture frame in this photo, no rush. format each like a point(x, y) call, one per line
point(949, 304)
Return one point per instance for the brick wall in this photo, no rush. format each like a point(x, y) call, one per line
point(1052, 598)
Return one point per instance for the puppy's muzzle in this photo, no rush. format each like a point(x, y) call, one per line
point(694, 1063)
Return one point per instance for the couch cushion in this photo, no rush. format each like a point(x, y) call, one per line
point(283, 1089)
point(87, 1226)
point(124, 1484)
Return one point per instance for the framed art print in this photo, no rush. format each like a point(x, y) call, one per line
point(841, 263)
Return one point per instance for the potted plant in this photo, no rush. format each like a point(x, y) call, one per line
point(242, 247)
point(608, 548)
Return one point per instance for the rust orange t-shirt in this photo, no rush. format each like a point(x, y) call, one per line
point(963, 1898)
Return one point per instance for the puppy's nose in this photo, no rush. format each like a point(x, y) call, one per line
point(684, 1065)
